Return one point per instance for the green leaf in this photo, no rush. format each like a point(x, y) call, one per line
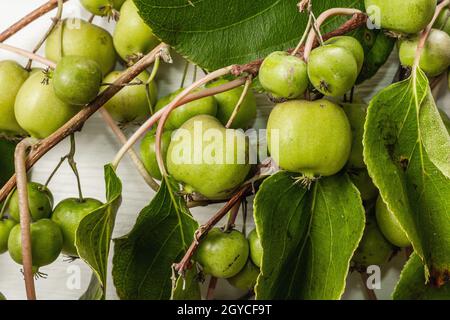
point(93, 238)
point(94, 290)
point(412, 284)
point(143, 259)
point(187, 288)
point(217, 33)
point(308, 237)
point(406, 149)
point(2, 297)
point(6, 160)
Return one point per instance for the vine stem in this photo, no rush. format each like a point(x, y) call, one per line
point(211, 288)
point(370, 292)
point(305, 34)
point(425, 33)
point(320, 20)
point(76, 122)
point(156, 116)
point(134, 157)
point(172, 105)
point(247, 85)
point(185, 262)
point(22, 23)
point(28, 54)
point(24, 211)
point(55, 21)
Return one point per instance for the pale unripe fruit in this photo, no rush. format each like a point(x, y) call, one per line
point(131, 104)
point(132, 36)
point(81, 38)
point(226, 103)
point(6, 226)
point(181, 114)
point(332, 70)
point(283, 75)
point(246, 278)
point(312, 137)
point(12, 76)
point(435, 58)
point(207, 158)
point(40, 202)
point(222, 254)
point(389, 225)
point(443, 21)
point(148, 152)
point(256, 250)
point(373, 248)
point(37, 108)
point(350, 44)
point(356, 114)
point(401, 16)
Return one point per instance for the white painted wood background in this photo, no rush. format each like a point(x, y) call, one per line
point(96, 146)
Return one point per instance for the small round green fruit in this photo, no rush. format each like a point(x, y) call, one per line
point(283, 75)
point(351, 44)
point(77, 80)
point(332, 70)
point(6, 226)
point(362, 181)
point(401, 16)
point(102, 7)
point(40, 202)
point(309, 137)
point(256, 250)
point(12, 76)
point(356, 114)
point(223, 254)
point(246, 278)
point(435, 58)
point(390, 226)
point(227, 101)
point(76, 37)
point(68, 215)
point(46, 243)
point(148, 152)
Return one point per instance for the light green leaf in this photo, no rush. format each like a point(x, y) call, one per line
point(94, 290)
point(93, 238)
point(217, 33)
point(406, 149)
point(412, 284)
point(143, 259)
point(308, 237)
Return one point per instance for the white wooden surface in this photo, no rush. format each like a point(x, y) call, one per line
point(96, 146)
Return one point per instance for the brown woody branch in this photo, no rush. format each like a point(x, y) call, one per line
point(22, 23)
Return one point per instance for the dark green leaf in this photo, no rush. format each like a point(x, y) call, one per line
point(413, 286)
point(407, 151)
point(2, 297)
point(142, 263)
point(94, 290)
point(93, 238)
point(217, 33)
point(6, 160)
point(308, 237)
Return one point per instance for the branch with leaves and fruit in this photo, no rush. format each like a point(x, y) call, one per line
point(340, 184)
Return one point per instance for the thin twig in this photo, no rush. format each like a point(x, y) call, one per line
point(73, 165)
point(185, 262)
point(80, 118)
point(55, 21)
point(28, 54)
point(320, 20)
point(425, 33)
point(232, 217)
point(157, 115)
point(24, 210)
point(174, 103)
point(247, 85)
point(134, 157)
point(151, 78)
point(305, 34)
point(22, 23)
point(370, 292)
point(183, 78)
point(211, 288)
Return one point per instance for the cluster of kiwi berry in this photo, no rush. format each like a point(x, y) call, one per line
point(52, 230)
point(37, 102)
